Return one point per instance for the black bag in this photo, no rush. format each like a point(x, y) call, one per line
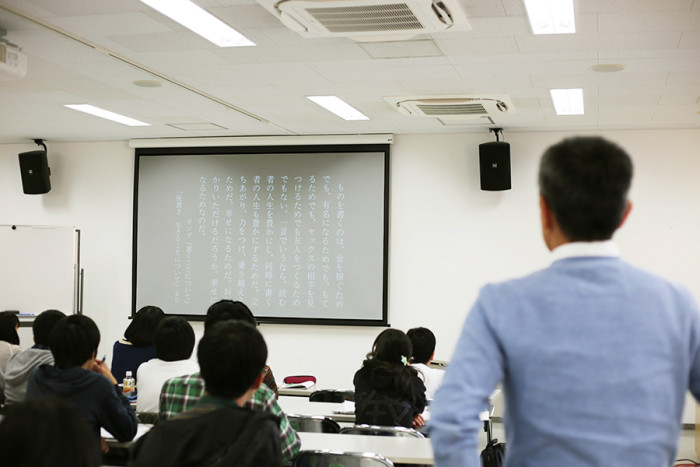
point(493, 454)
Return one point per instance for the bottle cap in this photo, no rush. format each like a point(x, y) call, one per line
point(128, 372)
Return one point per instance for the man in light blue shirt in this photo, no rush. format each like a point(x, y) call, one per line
point(594, 354)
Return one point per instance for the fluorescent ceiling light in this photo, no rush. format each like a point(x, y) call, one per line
point(98, 112)
point(339, 107)
point(200, 21)
point(567, 101)
point(551, 16)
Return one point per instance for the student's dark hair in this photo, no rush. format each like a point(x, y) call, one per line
point(46, 432)
point(44, 323)
point(143, 325)
point(390, 353)
point(174, 339)
point(73, 341)
point(585, 181)
point(423, 342)
point(8, 327)
point(231, 355)
point(225, 310)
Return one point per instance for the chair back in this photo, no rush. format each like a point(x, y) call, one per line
point(313, 424)
point(327, 458)
point(381, 431)
point(149, 418)
point(331, 395)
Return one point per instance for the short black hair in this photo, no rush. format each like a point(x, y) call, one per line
point(44, 323)
point(423, 341)
point(224, 310)
point(8, 327)
point(143, 325)
point(73, 340)
point(46, 432)
point(174, 339)
point(231, 355)
point(585, 181)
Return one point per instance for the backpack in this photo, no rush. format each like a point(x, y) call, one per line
point(493, 454)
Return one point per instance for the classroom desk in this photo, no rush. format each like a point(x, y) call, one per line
point(338, 411)
point(299, 392)
point(398, 449)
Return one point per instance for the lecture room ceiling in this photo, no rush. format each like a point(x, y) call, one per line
point(93, 51)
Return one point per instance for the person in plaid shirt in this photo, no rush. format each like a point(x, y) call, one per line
point(182, 392)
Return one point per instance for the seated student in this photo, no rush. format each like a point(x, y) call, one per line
point(219, 430)
point(230, 309)
point(182, 393)
point(83, 381)
point(174, 342)
point(388, 392)
point(423, 341)
point(46, 432)
point(9, 339)
point(21, 364)
point(137, 345)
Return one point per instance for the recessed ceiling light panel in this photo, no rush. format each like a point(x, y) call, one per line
point(200, 21)
point(339, 107)
point(98, 112)
point(551, 16)
point(567, 101)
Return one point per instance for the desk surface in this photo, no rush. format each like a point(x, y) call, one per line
point(338, 411)
point(398, 449)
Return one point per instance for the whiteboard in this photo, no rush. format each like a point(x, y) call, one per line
point(40, 266)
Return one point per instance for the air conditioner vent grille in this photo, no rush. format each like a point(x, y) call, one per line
point(386, 17)
point(453, 109)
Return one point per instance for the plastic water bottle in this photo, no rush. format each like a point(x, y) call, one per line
point(129, 385)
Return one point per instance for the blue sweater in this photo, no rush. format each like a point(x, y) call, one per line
point(594, 356)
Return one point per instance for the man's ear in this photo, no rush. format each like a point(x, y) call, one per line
point(258, 381)
point(627, 213)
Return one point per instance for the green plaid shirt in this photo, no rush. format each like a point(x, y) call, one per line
point(182, 393)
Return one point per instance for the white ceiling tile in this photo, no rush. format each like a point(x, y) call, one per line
point(647, 21)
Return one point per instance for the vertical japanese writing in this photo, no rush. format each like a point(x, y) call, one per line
point(228, 237)
point(255, 242)
point(296, 264)
point(283, 241)
point(177, 269)
point(215, 240)
point(242, 233)
point(202, 212)
point(340, 243)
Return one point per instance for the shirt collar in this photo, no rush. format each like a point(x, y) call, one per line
point(578, 249)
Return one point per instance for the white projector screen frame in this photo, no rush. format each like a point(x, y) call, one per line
point(297, 233)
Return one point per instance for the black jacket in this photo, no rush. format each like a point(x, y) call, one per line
point(377, 402)
point(100, 402)
point(211, 437)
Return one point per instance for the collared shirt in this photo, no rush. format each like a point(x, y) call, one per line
point(578, 249)
point(182, 393)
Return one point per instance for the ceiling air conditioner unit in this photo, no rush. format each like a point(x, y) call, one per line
point(453, 107)
point(13, 63)
point(368, 20)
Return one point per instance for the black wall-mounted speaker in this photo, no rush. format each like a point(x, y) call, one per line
point(34, 167)
point(494, 166)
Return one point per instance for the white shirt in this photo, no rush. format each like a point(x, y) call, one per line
point(150, 378)
point(431, 377)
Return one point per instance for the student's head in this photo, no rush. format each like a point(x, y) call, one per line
point(225, 310)
point(9, 322)
point(174, 339)
point(392, 346)
point(43, 324)
point(73, 341)
point(143, 325)
point(423, 342)
point(584, 181)
point(46, 432)
point(231, 357)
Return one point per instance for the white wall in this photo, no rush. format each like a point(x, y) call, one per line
point(447, 236)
